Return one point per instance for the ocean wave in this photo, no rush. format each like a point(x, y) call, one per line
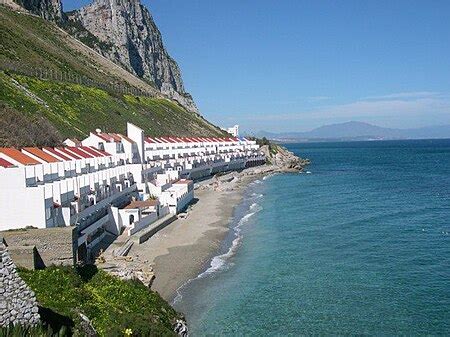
point(221, 262)
point(256, 195)
point(255, 207)
point(268, 176)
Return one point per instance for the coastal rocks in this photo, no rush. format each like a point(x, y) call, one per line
point(131, 38)
point(146, 276)
point(18, 303)
point(284, 159)
point(181, 328)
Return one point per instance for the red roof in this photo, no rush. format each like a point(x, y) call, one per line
point(68, 153)
point(18, 156)
point(103, 152)
point(109, 137)
point(79, 152)
point(106, 138)
point(5, 163)
point(126, 138)
point(167, 140)
point(90, 151)
point(115, 137)
point(97, 151)
point(56, 153)
point(41, 154)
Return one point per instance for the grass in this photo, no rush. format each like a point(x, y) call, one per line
point(73, 110)
point(112, 305)
point(67, 109)
point(36, 43)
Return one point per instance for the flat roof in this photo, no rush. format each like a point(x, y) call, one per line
point(18, 156)
point(183, 181)
point(142, 204)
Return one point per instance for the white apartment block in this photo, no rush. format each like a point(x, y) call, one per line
point(110, 182)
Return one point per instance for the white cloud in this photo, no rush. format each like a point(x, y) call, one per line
point(319, 98)
point(405, 95)
point(398, 105)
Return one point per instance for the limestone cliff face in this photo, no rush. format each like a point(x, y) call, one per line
point(132, 39)
point(48, 9)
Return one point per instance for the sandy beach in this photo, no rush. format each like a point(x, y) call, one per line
point(182, 250)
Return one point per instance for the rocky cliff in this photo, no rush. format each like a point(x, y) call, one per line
point(48, 9)
point(131, 38)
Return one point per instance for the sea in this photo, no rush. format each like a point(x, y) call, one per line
point(359, 244)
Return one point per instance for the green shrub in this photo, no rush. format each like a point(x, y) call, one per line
point(112, 305)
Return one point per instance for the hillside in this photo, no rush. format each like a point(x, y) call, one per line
point(52, 86)
point(129, 37)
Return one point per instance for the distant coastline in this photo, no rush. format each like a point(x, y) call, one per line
point(345, 140)
point(358, 131)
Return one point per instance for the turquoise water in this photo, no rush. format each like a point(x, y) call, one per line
point(359, 246)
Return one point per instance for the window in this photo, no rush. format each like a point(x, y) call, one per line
point(131, 219)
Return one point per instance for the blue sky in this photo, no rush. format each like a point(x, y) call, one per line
point(293, 65)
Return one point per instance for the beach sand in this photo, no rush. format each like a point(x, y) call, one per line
point(182, 250)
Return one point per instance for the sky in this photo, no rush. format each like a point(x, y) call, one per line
point(293, 65)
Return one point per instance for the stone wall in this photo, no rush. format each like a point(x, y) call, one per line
point(18, 303)
point(55, 246)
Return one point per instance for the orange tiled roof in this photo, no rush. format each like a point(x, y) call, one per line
point(18, 156)
point(41, 154)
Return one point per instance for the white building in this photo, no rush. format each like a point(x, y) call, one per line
point(93, 184)
point(234, 130)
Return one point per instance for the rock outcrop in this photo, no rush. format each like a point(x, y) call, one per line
point(18, 303)
point(284, 159)
point(131, 38)
point(48, 9)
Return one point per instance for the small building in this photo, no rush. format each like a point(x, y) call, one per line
point(72, 142)
point(178, 196)
point(234, 130)
point(140, 214)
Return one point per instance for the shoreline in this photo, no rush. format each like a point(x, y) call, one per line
point(183, 250)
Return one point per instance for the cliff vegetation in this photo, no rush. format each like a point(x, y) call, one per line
point(53, 87)
point(76, 300)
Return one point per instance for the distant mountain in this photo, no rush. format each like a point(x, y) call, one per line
point(359, 131)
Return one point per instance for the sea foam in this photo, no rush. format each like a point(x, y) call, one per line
point(220, 262)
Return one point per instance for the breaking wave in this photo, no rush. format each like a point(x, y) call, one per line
point(221, 262)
